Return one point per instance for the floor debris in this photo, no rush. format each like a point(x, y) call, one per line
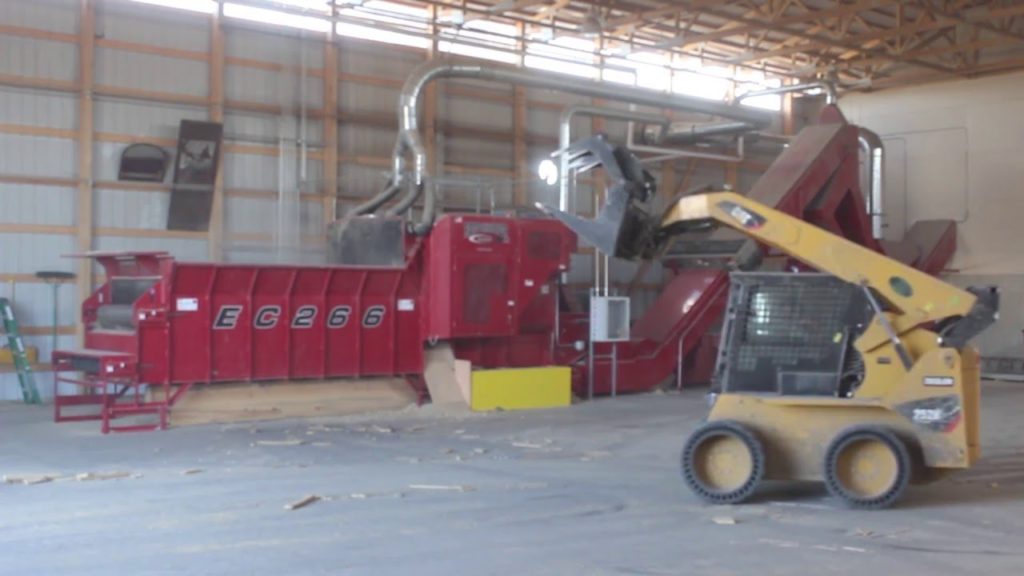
point(530, 445)
point(290, 442)
point(302, 502)
point(28, 479)
point(724, 520)
point(442, 487)
point(191, 471)
point(89, 476)
point(779, 543)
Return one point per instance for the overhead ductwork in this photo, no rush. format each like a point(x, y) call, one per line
point(686, 133)
point(410, 141)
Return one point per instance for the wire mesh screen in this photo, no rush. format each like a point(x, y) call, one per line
point(788, 333)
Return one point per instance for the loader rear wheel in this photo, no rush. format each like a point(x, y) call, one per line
point(868, 467)
point(723, 462)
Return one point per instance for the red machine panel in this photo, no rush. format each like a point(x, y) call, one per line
point(490, 276)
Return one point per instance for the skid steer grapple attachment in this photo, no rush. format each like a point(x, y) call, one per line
point(623, 228)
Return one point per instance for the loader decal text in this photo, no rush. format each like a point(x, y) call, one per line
point(304, 317)
point(338, 316)
point(373, 317)
point(227, 317)
point(267, 317)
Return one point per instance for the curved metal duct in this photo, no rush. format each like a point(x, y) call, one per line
point(409, 139)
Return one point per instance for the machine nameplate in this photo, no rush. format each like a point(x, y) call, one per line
point(186, 304)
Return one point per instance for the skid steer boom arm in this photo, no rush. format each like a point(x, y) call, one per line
point(913, 297)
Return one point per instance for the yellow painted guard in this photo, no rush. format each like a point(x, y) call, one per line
point(521, 388)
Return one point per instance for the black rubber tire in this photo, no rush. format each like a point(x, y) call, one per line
point(904, 462)
point(718, 428)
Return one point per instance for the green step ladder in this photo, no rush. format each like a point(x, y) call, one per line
point(25, 377)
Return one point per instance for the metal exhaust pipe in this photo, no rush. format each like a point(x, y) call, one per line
point(874, 156)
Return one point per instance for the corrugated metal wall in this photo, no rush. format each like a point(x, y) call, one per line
point(143, 94)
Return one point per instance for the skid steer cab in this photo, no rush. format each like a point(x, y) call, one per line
point(859, 376)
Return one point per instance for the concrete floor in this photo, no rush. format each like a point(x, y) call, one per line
point(593, 489)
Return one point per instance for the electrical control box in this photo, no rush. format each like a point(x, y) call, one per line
point(609, 318)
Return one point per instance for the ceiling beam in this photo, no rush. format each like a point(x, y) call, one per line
point(834, 42)
point(744, 24)
point(626, 23)
point(861, 39)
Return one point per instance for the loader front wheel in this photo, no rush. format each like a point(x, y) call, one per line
point(868, 467)
point(723, 462)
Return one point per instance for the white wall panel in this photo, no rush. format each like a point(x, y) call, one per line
point(29, 253)
point(372, 59)
point(361, 98)
point(183, 249)
point(250, 171)
point(259, 216)
point(483, 153)
point(52, 15)
point(361, 181)
point(278, 48)
point(250, 215)
point(131, 28)
point(476, 113)
point(312, 215)
point(267, 253)
point(36, 156)
point(53, 110)
point(151, 72)
point(251, 127)
point(33, 304)
point(153, 119)
point(33, 204)
point(131, 209)
point(366, 140)
point(272, 87)
point(37, 58)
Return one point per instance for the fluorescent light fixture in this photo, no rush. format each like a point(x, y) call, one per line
point(377, 35)
point(477, 52)
point(243, 12)
point(204, 6)
point(317, 5)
